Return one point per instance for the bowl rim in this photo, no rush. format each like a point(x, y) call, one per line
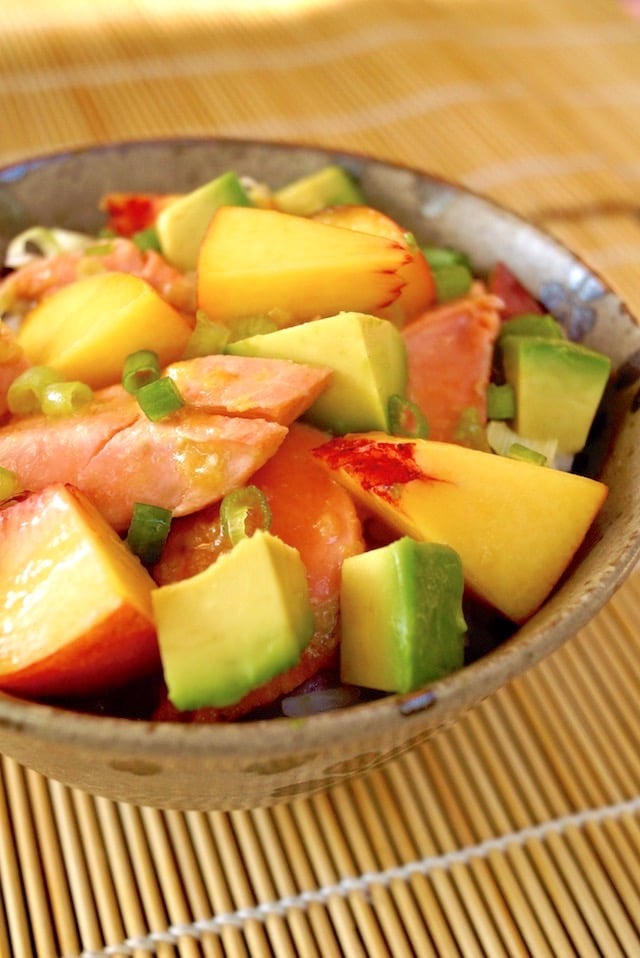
point(490, 671)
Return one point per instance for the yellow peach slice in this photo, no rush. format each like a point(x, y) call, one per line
point(257, 262)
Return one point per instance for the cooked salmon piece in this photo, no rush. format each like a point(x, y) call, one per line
point(117, 457)
point(274, 389)
point(450, 354)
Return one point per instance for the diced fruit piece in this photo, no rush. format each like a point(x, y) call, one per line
point(234, 626)
point(401, 616)
point(330, 185)
point(264, 388)
point(117, 457)
point(75, 604)
point(367, 357)
point(256, 262)
point(532, 324)
point(181, 225)
point(515, 525)
point(516, 299)
point(558, 386)
point(419, 291)
point(130, 213)
point(87, 329)
point(450, 353)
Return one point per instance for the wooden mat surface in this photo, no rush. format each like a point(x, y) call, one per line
point(516, 832)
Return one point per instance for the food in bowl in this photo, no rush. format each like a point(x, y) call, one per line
point(267, 452)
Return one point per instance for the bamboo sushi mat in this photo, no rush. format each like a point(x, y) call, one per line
point(517, 831)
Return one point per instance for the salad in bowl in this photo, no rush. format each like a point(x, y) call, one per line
point(275, 450)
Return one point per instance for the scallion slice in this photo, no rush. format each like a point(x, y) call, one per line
point(244, 511)
point(148, 531)
point(501, 402)
point(38, 241)
point(159, 398)
point(452, 281)
point(147, 240)
point(519, 451)
point(24, 395)
point(406, 418)
point(140, 368)
point(10, 484)
point(65, 398)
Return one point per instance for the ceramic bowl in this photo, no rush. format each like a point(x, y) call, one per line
point(263, 762)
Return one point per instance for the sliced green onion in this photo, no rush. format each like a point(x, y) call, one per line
point(65, 398)
point(100, 249)
point(140, 368)
point(501, 401)
point(10, 484)
point(148, 531)
point(243, 512)
point(39, 241)
point(147, 239)
point(208, 337)
point(24, 395)
point(501, 438)
point(437, 256)
point(518, 451)
point(406, 418)
point(452, 281)
point(159, 399)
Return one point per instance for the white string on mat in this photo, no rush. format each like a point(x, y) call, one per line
point(361, 883)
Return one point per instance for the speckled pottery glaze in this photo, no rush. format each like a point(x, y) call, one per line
point(264, 762)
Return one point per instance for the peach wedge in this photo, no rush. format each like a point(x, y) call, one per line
point(515, 525)
point(258, 262)
point(75, 604)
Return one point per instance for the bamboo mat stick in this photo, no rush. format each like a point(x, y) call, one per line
point(284, 886)
point(378, 818)
point(186, 865)
point(215, 881)
point(301, 875)
point(326, 875)
point(352, 819)
point(52, 864)
point(263, 888)
point(235, 869)
point(17, 923)
point(474, 882)
point(388, 830)
point(28, 852)
point(364, 910)
point(122, 870)
point(145, 877)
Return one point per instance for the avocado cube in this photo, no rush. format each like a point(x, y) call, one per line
point(401, 614)
point(330, 186)
point(532, 324)
point(558, 387)
point(234, 626)
point(368, 357)
point(182, 224)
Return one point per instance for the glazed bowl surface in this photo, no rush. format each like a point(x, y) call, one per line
point(262, 762)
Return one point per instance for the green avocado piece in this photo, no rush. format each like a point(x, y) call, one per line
point(558, 387)
point(234, 626)
point(181, 225)
point(532, 324)
point(368, 357)
point(402, 623)
point(330, 186)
